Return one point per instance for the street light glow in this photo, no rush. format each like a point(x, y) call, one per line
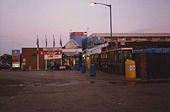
point(92, 3)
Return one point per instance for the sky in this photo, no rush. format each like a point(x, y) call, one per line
point(22, 20)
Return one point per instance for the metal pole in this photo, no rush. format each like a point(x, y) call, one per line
point(38, 62)
point(46, 49)
point(111, 24)
point(111, 37)
point(61, 50)
point(38, 54)
point(45, 64)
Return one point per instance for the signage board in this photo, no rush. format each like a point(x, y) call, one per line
point(78, 33)
point(72, 50)
point(15, 58)
point(50, 53)
point(16, 52)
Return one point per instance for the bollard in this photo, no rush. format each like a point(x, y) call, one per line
point(92, 70)
point(83, 68)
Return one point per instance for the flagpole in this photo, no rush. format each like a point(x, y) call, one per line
point(53, 46)
point(46, 48)
point(38, 54)
point(61, 47)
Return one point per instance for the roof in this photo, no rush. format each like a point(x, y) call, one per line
point(71, 44)
point(130, 35)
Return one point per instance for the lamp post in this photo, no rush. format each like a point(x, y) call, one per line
point(110, 7)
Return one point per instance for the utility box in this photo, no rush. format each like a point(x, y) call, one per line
point(130, 69)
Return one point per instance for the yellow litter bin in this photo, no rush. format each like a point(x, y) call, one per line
point(88, 62)
point(130, 69)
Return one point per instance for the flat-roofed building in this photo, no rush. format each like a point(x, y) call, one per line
point(127, 39)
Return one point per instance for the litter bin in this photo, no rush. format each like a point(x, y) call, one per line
point(92, 70)
point(130, 69)
point(83, 68)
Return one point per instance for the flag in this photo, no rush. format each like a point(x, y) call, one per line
point(37, 42)
point(53, 41)
point(45, 40)
point(60, 41)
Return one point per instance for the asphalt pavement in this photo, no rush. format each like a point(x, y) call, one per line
point(72, 91)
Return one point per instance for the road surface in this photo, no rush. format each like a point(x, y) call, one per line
point(71, 91)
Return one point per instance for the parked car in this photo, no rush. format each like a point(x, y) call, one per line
point(61, 67)
point(69, 67)
point(55, 67)
point(5, 66)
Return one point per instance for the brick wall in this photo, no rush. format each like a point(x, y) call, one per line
point(30, 56)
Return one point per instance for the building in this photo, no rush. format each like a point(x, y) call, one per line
point(29, 59)
point(69, 55)
point(98, 43)
point(136, 40)
point(145, 48)
point(80, 38)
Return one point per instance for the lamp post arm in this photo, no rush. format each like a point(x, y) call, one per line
point(103, 4)
point(111, 36)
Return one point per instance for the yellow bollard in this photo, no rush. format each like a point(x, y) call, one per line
point(130, 69)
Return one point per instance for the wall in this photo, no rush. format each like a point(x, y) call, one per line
point(153, 65)
point(30, 56)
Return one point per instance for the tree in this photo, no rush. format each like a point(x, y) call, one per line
point(6, 58)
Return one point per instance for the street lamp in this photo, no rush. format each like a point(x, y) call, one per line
point(110, 6)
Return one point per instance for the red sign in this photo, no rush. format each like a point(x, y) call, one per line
point(77, 33)
point(15, 58)
point(51, 53)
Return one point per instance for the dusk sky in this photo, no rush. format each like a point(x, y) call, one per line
point(22, 20)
